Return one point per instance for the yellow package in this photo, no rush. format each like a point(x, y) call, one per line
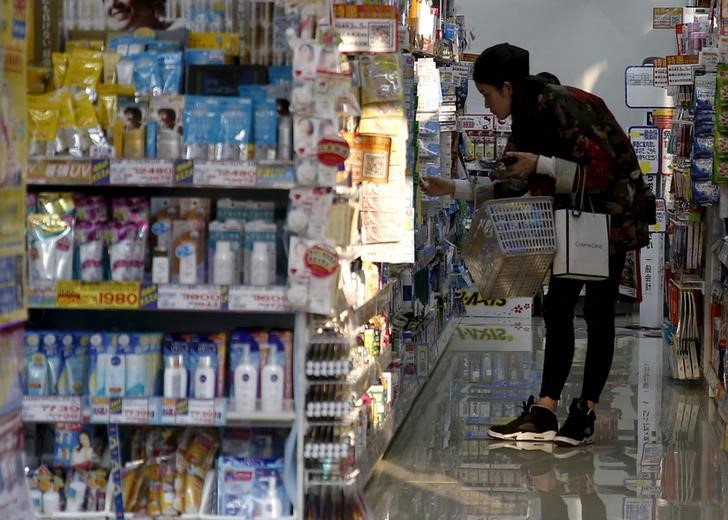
point(67, 137)
point(154, 489)
point(228, 42)
point(52, 203)
point(84, 69)
point(111, 60)
point(38, 79)
point(168, 494)
point(93, 45)
point(193, 485)
point(59, 60)
point(84, 111)
point(43, 116)
point(132, 480)
point(202, 449)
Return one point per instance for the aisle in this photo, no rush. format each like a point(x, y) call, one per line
point(657, 452)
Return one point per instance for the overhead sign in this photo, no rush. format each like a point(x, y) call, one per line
point(666, 17)
point(646, 143)
point(642, 89)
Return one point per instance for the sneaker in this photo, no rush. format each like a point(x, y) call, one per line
point(544, 446)
point(536, 423)
point(579, 426)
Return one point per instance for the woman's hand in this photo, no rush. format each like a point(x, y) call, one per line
point(526, 164)
point(437, 186)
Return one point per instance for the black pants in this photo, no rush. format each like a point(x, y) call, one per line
point(558, 314)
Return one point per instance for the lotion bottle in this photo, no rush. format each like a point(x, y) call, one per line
point(116, 370)
point(260, 265)
point(270, 506)
point(173, 377)
point(245, 385)
point(223, 264)
point(51, 502)
point(75, 496)
point(271, 392)
point(204, 385)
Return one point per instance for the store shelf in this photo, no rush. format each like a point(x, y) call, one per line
point(154, 411)
point(359, 316)
point(72, 294)
point(163, 173)
point(366, 376)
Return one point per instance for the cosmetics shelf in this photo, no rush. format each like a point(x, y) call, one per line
point(163, 173)
point(71, 294)
point(155, 411)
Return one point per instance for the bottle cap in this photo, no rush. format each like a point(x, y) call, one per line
point(205, 362)
point(174, 361)
point(260, 248)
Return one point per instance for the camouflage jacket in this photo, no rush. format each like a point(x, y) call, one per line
point(568, 123)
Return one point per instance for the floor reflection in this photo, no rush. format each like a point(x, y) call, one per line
point(657, 452)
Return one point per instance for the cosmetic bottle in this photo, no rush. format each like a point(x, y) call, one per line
point(175, 377)
point(271, 391)
point(116, 371)
point(51, 502)
point(270, 505)
point(224, 264)
point(245, 385)
point(260, 265)
point(204, 386)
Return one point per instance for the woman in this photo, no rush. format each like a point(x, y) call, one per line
point(559, 134)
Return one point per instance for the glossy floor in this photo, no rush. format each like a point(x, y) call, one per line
point(657, 453)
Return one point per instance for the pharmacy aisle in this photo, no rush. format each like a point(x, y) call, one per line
point(657, 451)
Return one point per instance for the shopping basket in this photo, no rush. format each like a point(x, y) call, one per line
point(510, 246)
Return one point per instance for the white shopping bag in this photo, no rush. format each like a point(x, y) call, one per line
point(582, 245)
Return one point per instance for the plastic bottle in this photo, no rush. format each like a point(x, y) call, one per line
point(160, 266)
point(175, 377)
point(75, 496)
point(271, 391)
point(204, 385)
point(260, 265)
point(245, 385)
point(285, 132)
point(270, 506)
point(224, 264)
point(116, 374)
point(36, 499)
point(51, 502)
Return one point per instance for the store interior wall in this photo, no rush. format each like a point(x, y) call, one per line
point(586, 43)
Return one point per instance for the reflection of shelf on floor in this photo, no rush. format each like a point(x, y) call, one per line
point(379, 442)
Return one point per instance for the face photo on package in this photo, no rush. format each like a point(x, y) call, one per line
point(306, 60)
point(167, 118)
point(327, 129)
point(304, 129)
point(128, 15)
point(329, 60)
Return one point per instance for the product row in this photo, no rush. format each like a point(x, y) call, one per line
point(162, 240)
point(167, 472)
point(252, 366)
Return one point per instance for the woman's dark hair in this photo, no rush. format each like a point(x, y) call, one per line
point(501, 63)
point(549, 78)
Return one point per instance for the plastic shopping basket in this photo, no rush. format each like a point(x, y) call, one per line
point(510, 246)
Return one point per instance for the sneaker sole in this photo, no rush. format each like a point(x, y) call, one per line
point(568, 442)
point(547, 447)
point(524, 436)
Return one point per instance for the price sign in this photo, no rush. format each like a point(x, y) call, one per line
point(190, 297)
point(260, 299)
point(52, 409)
point(133, 411)
point(646, 143)
point(666, 17)
point(143, 173)
point(168, 412)
point(366, 28)
point(59, 172)
point(275, 175)
point(681, 69)
point(233, 174)
point(201, 412)
point(94, 295)
point(100, 409)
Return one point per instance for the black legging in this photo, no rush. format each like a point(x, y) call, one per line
point(558, 314)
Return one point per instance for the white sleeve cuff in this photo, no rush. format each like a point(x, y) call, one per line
point(463, 189)
point(545, 166)
point(564, 173)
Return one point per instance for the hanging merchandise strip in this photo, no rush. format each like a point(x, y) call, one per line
point(116, 468)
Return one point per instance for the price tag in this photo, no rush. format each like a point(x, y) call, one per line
point(243, 298)
point(94, 295)
point(276, 175)
point(52, 409)
point(143, 173)
point(100, 409)
point(154, 410)
point(233, 174)
point(168, 412)
point(201, 412)
point(59, 172)
point(190, 297)
point(134, 411)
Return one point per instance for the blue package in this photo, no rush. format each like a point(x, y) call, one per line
point(43, 362)
point(163, 46)
point(702, 168)
point(703, 146)
point(205, 57)
point(201, 121)
point(236, 127)
point(170, 65)
point(704, 192)
point(127, 45)
point(265, 129)
point(147, 76)
point(243, 484)
point(280, 74)
point(152, 131)
point(73, 446)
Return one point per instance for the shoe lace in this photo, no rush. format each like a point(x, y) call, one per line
point(526, 405)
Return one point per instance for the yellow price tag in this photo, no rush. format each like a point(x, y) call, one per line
point(95, 295)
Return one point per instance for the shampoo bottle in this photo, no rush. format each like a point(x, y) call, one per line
point(204, 386)
point(271, 392)
point(51, 502)
point(270, 506)
point(245, 385)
